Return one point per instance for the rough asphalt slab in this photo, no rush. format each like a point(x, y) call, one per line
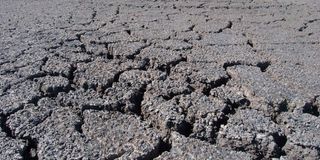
point(159, 79)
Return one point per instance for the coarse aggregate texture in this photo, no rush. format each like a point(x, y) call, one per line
point(160, 79)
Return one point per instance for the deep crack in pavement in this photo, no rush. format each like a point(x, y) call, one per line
point(159, 79)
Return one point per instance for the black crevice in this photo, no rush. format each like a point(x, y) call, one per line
point(250, 43)
point(231, 63)
point(311, 108)
point(110, 51)
point(229, 26)
point(117, 76)
point(78, 125)
point(221, 81)
point(6, 88)
point(281, 141)
point(4, 126)
point(263, 65)
point(115, 156)
point(206, 90)
point(37, 75)
point(118, 10)
point(221, 121)
point(232, 106)
point(167, 67)
point(280, 108)
point(283, 107)
point(191, 27)
point(137, 52)
point(185, 129)
point(229, 110)
point(128, 31)
point(110, 56)
point(93, 16)
point(218, 83)
point(30, 152)
point(164, 146)
point(71, 76)
point(36, 99)
point(83, 47)
point(171, 95)
point(146, 65)
point(302, 28)
point(102, 88)
point(138, 100)
point(93, 107)
point(41, 74)
point(305, 25)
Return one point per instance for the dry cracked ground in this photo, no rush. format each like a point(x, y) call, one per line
point(160, 79)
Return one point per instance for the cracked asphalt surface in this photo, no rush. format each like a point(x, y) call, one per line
point(160, 79)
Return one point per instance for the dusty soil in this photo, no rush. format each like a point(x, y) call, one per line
point(159, 79)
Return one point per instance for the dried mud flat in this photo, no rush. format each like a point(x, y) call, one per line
point(160, 79)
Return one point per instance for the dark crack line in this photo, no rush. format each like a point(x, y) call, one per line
point(215, 84)
point(167, 67)
point(115, 156)
point(30, 151)
point(8, 130)
point(271, 43)
point(279, 108)
point(229, 111)
point(250, 43)
point(311, 107)
point(4, 126)
point(229, 26)
point(138, 101)
point(305, 25)
point(250, 7)
point(263, 65)
point(164, 146)
point(120, 106)
point(281, 141)
point(79, 124)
